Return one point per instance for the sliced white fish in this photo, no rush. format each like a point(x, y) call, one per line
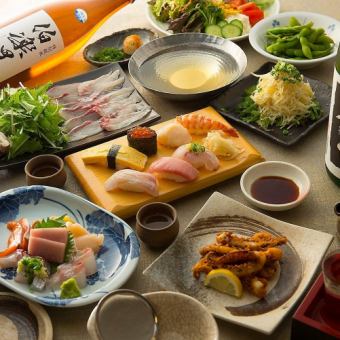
point(73, 122)
point(86, 129)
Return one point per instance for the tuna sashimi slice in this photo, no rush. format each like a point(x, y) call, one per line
point(52, 234)
point(51, 251)
point(174, 169)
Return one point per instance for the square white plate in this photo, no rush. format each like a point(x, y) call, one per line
point(172, 270)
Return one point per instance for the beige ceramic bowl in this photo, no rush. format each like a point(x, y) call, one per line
point(176, 316)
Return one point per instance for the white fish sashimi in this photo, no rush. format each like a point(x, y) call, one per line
point(86, 129)
point(121, 121)
point(197, 159)
point(173, 135)
point(65, 271)
point(73, 122)
point(12, 259)
point(131, 180)
point(87, 257)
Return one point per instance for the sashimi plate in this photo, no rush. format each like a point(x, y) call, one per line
point(116, 260)
point(97, 138)
point(301, 258)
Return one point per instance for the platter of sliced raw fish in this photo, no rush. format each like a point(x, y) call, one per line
point(97, 106)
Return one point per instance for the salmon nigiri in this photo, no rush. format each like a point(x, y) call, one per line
point(198, 124)
point(174, 169)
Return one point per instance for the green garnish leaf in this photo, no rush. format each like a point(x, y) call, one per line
point(196, 147)
point(109, 54)
point(32, 267)
point(286, 72)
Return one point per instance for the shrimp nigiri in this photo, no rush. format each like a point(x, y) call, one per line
point(132, 180)
point(200, 125)
point(198, 156)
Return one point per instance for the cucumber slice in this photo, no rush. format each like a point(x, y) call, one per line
point(237, 22)
point(231, 31)
point(213, 30)
point(222, 23)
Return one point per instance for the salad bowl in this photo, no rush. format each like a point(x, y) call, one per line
point(116, 260)
point(163, 27)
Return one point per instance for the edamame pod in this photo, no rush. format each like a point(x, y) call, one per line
point(319, 54)
point(305, 48)
point(319, 47)
point(323, 39)
point(293, 22)
point(295, 52)
point(316, 34)
point(305, 32)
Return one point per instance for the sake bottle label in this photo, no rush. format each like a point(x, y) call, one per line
point(27, 42)
point(333, 147)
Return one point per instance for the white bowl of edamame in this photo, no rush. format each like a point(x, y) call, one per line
point(303, 39)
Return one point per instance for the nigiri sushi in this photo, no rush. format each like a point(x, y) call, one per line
point(131, 180)
point(220, 146)
point(198, 156)
point(174, 169)
point(173, 135)
point(198, 124)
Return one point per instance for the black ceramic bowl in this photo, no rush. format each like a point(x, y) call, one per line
point(116, 40)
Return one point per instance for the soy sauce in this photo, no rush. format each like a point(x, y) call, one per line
point(44, 171)
point(274, 190)
point(157, 221)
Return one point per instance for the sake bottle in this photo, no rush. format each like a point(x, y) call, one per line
point(45, 36)
point(333, 137)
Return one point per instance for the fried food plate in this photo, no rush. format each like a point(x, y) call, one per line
point(301, 257)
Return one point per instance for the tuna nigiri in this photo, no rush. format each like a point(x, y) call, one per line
point(198, 156)
point(173, 135)
point(174, 169)
point(200, 125)
point(131, 180)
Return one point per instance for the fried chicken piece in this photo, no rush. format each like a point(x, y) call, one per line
point(269, 270)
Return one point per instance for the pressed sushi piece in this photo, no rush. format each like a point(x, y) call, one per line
point(220, 146)
point(198, 124)
point(92, 241)
point(198, 156)
point(143, 139)
point(53, 234)
point(131, 180)
point(87, 257)
point(51, 251)
point(174, 169)
point(116, 157)
point(173, 135)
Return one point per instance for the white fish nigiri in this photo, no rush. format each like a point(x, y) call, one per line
point(132, 180)
point(198, 156)
point(173, 135)
point(174, 169)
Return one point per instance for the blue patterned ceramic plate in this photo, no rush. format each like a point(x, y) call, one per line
point(116, 260)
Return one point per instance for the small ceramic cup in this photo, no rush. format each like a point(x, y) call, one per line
point(45, 170)
point(157, 224)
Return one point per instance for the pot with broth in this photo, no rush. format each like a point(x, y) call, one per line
point(188, 72)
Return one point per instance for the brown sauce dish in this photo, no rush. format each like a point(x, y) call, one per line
point(157, 224)
point(45, 170)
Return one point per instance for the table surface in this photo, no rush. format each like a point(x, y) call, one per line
point(315, 213)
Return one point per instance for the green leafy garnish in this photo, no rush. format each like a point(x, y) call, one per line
point(250, 112)
point(30, 119)
point(286, 72)
point(32, 267)
point(109, 54)
point(59, 222)
point(196, 147)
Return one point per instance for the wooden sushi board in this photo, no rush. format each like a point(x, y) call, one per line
point(126, 204)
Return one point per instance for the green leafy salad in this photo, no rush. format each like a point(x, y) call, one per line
point(281, 99)
point(30, 120)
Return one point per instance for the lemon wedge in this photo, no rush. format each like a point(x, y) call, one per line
point(224, 281)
